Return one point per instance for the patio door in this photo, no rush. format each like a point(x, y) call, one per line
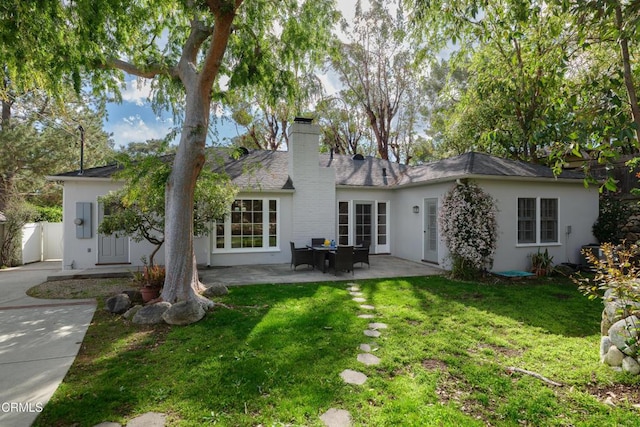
point(364, 222)
point(112, 249)
point(431, 230)
point(367, 221)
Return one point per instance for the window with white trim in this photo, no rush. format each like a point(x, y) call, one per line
point(252, 224)
point(537, 220)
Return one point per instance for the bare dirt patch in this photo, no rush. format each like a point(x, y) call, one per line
point(80, 288)
point(434, 365)
point(616, 394)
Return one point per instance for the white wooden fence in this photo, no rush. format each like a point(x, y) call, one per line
point(41, 241)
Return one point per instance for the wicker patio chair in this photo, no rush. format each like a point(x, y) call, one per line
point(341, 259)
point(361, 254)
point(301, 256)
point(317, 241)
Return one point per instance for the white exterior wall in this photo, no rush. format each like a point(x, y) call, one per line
point(83, 253)
point(577, 206)
point(408, 227)
point(314, 199)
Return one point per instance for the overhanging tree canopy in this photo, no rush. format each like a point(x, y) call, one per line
point(185, 47)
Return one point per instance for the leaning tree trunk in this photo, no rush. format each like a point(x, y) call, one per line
point(181, 282)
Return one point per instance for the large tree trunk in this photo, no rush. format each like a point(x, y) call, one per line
point(181, 280)
point(179, 283)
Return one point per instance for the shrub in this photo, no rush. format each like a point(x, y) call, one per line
point(469, 228)
point(613, 214)
point(48, 214)
point(18, 213)
point(617, 279)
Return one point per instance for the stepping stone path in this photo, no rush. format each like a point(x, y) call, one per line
point(339, 417)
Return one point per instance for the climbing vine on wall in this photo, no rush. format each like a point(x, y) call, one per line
point(469, 228)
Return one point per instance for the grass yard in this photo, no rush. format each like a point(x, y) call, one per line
point(273, 354)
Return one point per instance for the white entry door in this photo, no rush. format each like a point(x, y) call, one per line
point(112, 249)
point(431, 230)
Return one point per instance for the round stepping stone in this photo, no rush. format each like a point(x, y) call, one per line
point(336, 418)
point(353, 287)
point(359, 299)
point(372, 333)
point(356, 294)
point(366, 316)
point(367, 307)
point(365, 347)
point(353, 377)
point(368, 359)
point(378, 326)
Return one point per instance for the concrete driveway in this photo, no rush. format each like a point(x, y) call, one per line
point(39, 340)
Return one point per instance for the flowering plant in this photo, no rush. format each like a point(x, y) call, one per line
point(469, 228)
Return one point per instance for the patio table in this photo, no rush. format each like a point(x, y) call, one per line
point(320, 256)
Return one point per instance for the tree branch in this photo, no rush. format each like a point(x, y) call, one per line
point(149, 72)
point(224, 15)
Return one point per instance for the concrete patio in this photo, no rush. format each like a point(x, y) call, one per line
point(382, 266)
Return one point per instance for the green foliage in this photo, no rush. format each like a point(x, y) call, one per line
point(541, 263)
point(48, 214)
point(612, 217)
point(382, 75)
point(17, 213)
point(471, 238)
point(616, 280)
point(40, 137)
point(138, 209)
point(618, 272)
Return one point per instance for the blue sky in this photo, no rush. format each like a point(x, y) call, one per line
point(132, 120)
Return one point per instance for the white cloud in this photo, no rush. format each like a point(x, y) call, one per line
point(136, 91)
point(135, 129)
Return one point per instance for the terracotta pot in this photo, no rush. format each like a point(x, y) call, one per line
point(149, 293)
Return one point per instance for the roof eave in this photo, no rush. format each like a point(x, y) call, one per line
point(79, 178)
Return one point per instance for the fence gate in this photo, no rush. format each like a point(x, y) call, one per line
point(41, 241)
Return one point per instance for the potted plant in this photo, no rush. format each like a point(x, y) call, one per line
point(151, 280)
point(541, 263)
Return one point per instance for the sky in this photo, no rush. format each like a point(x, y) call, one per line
point(133, 120)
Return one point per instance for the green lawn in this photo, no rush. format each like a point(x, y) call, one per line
point(273, 357)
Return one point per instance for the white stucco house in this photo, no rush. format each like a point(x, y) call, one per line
point(302, 194)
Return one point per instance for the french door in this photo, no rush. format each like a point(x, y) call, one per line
point(364, 221)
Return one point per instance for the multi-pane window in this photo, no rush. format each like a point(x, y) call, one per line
point(537, 220)
point(526, 220)
point(548, 220)
point(343, 223)
point(382, 223)
point(253, 223)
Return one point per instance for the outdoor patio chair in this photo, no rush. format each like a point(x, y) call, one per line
point(361, 254)
point(317, 241)
point(301, 256)
point(341, 259)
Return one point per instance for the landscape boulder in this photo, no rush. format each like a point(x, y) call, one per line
point(151, 314)
point(129, 314)
point(134, 295)
point(624, 335)
point(215, 290)
point(184, 313)
point(118, 304)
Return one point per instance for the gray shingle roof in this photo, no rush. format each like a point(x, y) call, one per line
point(369, 172)
point(478, 164)
point(268, 170)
